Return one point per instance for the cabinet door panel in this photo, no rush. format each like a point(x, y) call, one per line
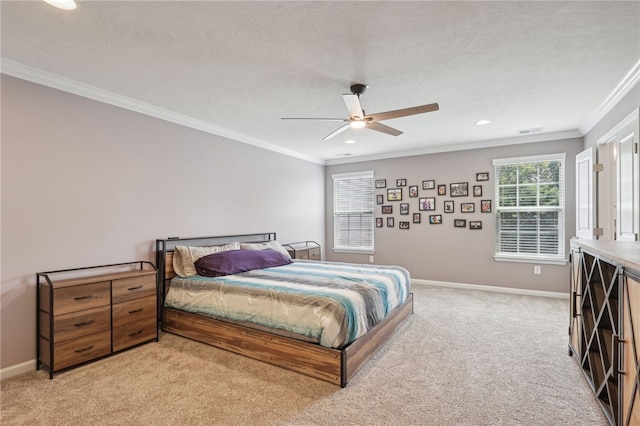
point(630, 408)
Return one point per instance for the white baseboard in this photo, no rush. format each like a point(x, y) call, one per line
point(492, 288)
point(17, 369)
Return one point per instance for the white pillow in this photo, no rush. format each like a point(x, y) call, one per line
point(184, 257)
point(274, 245)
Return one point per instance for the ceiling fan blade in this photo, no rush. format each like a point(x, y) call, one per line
point(317, 119)
point(382, 128)
point(335, 132)
point(403, 112)
point(353, 105)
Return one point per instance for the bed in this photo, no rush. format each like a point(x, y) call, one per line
point(243, 311)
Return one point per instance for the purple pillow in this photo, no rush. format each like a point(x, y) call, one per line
point(235, 261)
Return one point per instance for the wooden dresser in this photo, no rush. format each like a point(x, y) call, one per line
point(604, 325)
point(99, 311)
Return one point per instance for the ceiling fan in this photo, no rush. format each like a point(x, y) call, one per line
point(358, 119)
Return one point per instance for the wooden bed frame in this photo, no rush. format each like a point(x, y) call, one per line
point(335, 366)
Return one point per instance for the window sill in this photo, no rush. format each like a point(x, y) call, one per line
point(524, 259)
point(354, 251)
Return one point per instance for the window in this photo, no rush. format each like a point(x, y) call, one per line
point(530, 208)
point(353, 211)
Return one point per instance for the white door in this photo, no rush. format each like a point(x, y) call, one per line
point(585, 195)
point(627, 214)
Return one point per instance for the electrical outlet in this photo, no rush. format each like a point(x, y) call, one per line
point(537, 270)
point(370, 259)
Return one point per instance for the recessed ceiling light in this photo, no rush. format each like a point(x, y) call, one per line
point(349, 141)
point(63, 4)
point(482, 122)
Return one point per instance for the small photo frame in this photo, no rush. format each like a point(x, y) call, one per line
point(417, 217)
point(448, 206)
point(485, 206)
point(404, 208)
point(403, 225)
point(379, 222)
point(435, 219)
point(390, 222)
point(428, 184)
point(413, 191)
point(428, 203)
point(459, 223)
point(442, 189)
point(387, 209)
point(475, 224)
point(380, 199)
point(467, 207)
point(401, 182)
point(482, 176)
point(381, 183)
point(394, 194)
point(460, 189)
point(477, 190)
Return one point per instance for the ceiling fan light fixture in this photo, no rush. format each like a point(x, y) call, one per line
point(62, 4)
point(357, 124)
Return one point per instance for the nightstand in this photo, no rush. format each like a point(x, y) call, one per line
point(307, 250)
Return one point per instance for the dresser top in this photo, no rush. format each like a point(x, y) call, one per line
point(87, 279)
point(626, 253)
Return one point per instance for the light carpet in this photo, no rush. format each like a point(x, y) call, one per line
point(465, 357)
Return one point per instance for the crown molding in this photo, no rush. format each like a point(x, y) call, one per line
point(44, 78)
point(628, 82)
point(540, 137)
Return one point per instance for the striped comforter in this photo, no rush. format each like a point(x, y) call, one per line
point(327, 302)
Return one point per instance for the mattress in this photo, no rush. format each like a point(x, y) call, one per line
point(326, 302)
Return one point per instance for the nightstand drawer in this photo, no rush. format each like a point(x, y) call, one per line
point(81, 349)
point(134, 310)
point(133, 288)
point(77, 324)
point(134, 333)
point(314, 253)
point(81, 297)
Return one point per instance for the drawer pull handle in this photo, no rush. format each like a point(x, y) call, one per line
point(80, 324)
point(135, 311)
point(136, 333)
point(134, 288)
point(83, 297)
point(83, 350)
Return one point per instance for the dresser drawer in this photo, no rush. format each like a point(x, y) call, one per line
point(81, 349)
point(134, 310)
point(134, 333)
point(76, 324)
point(133, 288)
point(314, 253)
point(81, 297)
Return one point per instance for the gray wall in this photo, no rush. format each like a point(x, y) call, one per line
point(626, 105)
point(85, 183)
point(442, 252)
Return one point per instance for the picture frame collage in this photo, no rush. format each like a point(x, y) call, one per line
point(430, 203)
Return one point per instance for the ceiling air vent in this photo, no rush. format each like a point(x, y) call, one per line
point(528, 131)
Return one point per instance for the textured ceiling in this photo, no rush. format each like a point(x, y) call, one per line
point(238, 67)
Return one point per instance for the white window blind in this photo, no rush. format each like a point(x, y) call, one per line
point(530, 208)
point(353, 195)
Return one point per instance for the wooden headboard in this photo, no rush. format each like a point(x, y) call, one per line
point(165, 248)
